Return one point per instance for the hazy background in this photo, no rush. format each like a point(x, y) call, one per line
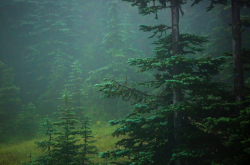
point(47, 46)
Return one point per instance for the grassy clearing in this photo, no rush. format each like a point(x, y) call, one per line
point(13, 154)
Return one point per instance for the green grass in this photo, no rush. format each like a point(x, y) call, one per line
point(14, 154)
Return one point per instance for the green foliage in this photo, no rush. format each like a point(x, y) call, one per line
point(62, 146)
point(76, 87)
point(116, 47)
point(45, 145)
point(52, 27)
point(87, 140)
point(30, 160)
point(150, 127)
point(61, 49)
point(26, 122)
point(233, 130)
point(65, 149)
point(112, 41)
point(9, 99)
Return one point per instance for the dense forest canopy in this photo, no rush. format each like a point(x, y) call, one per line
point(171, 76)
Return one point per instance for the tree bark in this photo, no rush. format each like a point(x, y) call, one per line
point(176, 90)
point(237, 56)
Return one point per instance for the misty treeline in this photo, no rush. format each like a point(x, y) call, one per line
point(173, 74)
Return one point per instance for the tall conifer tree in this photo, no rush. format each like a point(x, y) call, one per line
point(233, 128)
point(169, 126)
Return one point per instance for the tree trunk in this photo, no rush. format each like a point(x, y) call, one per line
point(176, 91)
point(237, 56)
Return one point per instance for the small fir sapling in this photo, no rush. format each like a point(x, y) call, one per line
point(46, 145)
point(66, 149)
point(88, 148)
point(61, 148)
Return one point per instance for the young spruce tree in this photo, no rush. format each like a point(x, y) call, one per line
point(61, 148)
point(46, 145)
point(88, 147)
point(65, 149)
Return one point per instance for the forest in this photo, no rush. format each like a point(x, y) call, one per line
point(124, 82)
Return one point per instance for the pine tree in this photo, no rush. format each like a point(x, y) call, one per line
point(46, 145)
point(76, 86)
point(168, 125)
point(233, 128)
point(88, 147)
point(61, 148)
point(65, 149)
point(9, 99)
point(116, 47)
point(237, 55)
point(48, 57)
point(26, 122)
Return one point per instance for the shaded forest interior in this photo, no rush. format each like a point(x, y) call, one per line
point(142, 82)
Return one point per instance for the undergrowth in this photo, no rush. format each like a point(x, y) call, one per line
point(15, 153)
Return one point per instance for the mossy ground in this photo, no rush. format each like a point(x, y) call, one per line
point(15, 153)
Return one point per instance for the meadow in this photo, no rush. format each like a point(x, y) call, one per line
point(17, 151)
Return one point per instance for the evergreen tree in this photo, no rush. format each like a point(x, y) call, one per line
point(45, 145)
point(52, 25)
point(220, 40)
point(170, 125)
point(88, 147)
point(61, 148)
point(76, 86)
point(236, 44)
point(116, 48)
point(233, 128)
point(65, 149)
point(9, 99)
point(26, 122)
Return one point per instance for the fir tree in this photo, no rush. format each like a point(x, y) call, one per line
point(233, 131)
point(116, 47)
point(233, 127)
point(76, 86)
point(26, 122)
point(9, 99)
point(65, 149)
point(168, 125)
point(88, 147)
point(237, 55)
point(48, 57)
point(46, 145)
point(61, 148)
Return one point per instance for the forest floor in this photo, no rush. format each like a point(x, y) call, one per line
point(15, 153)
